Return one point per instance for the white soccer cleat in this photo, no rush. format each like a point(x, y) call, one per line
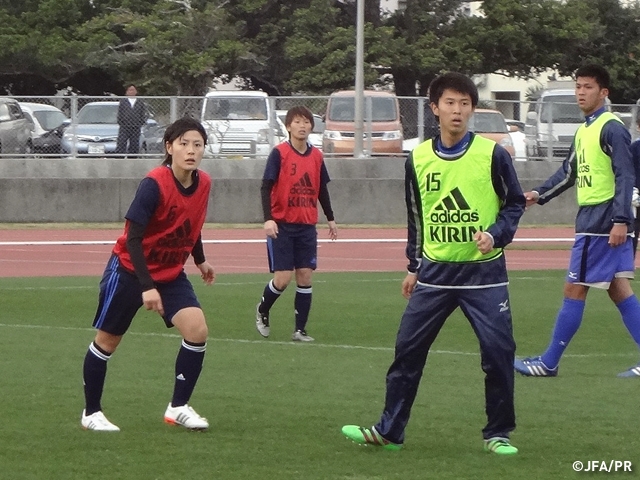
point(301, 336)
point(185, 416)
point(97, 421)
point(262, 322)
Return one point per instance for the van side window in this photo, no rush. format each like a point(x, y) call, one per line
point(4, 113)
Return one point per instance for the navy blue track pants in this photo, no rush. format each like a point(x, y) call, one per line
point(489, 314)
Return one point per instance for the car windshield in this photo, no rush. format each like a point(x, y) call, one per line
point(98, 114)
point(235, 108)
point(49, 119)
point(488, 122)
point(561, 109)
point(342, 109)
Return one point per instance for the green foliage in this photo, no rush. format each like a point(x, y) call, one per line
point(525, 37)
point(308, 46)
point(324, 53)
point(613, 42)
point(172, 50)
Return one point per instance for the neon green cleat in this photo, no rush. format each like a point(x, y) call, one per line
point(368, 436)
point(499, 446)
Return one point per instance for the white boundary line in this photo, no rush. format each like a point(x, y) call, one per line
point(96, 286)
point(244, 241)
point(297, 345)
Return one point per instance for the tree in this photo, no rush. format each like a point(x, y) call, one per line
point(304, 46)
point(35, 39)
point(427, 40)
point(525, 37)
point(323, 51)
point(613, 42)
point(179, 48)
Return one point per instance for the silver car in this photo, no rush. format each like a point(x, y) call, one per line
point(95, 131)
point(15, 129)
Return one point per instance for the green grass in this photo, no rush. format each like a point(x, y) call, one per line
point(276, 408)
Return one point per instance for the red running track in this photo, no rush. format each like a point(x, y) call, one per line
point(344, 255)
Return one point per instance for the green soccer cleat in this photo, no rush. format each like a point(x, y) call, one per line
point(499, 446)
point(368, 436)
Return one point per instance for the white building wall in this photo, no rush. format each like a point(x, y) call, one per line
point(389, 6)
point(509, 91)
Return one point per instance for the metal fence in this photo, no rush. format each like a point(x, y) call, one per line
point(79, 126)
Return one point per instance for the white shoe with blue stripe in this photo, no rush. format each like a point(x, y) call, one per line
point(632, 372)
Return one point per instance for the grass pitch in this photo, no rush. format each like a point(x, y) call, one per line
point(276, 408)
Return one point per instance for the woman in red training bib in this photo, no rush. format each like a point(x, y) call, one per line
point(163, 227)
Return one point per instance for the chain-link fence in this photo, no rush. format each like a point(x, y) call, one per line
point(249, 124)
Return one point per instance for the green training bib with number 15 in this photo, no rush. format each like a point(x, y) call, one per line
point(457, 199)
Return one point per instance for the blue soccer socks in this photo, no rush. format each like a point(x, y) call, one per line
point(567, 324)
point(629, 309)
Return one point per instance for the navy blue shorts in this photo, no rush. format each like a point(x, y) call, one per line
point(121, 298)
point(595, 263)
point(295, 247)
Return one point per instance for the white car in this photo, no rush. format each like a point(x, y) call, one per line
point(409, 144)
point(240, 124)
point(48, 123)
point(315, 137)
point(518, 139)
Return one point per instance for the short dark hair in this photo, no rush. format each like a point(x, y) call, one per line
point(597, 72)
point(298, 111)
point(452, 81)
point(178, 129)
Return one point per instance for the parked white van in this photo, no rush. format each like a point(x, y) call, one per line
point(552, 121)
point(240, 124)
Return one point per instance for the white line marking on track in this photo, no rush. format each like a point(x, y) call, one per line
point(244, 241)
